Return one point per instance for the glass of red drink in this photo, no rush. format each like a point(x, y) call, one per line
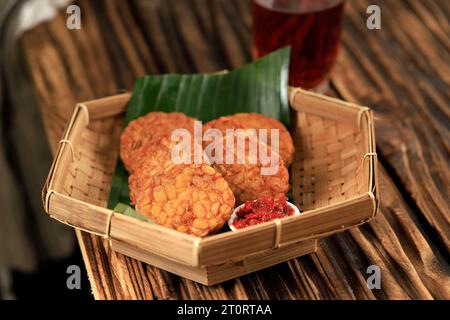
point(311, 27)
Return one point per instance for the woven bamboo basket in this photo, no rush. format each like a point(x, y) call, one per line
point(334, 184)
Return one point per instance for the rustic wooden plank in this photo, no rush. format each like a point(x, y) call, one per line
point(405, 82)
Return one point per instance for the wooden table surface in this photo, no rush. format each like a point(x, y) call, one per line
point(401, 71)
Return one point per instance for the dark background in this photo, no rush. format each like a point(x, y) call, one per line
point(49, 281)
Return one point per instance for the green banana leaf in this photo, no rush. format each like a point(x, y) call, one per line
point(261, 87)
point(129, 211)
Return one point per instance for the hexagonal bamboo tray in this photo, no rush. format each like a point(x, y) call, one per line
point(334, 185)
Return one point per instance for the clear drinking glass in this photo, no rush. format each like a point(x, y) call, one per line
point(311, 27)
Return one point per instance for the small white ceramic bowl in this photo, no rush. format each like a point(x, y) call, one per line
point(233, 216)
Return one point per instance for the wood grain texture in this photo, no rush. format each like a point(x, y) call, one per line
point(401, 71)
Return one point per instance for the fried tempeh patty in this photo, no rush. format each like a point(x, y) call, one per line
point(190, 198)
point(146, 134)
point(246, 178)
point(260, 121)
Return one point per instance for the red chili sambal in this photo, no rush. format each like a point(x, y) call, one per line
point(262, 210)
